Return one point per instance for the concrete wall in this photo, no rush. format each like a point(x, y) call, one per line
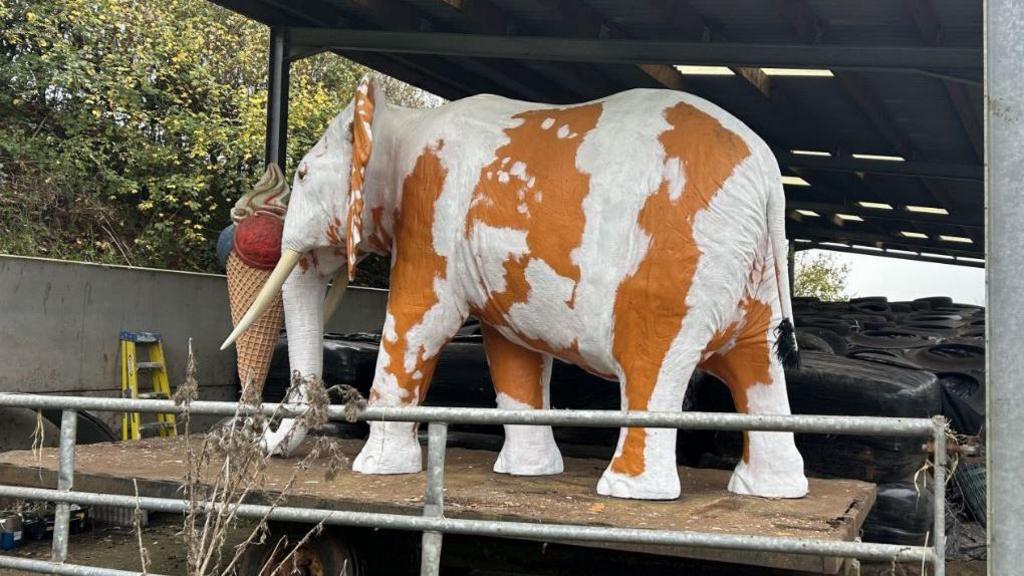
point(59, 324)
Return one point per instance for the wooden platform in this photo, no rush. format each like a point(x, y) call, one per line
point(835, 509)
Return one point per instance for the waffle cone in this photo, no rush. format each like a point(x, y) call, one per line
point(256, 345)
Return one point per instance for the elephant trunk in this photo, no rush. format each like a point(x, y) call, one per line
point(303, 295)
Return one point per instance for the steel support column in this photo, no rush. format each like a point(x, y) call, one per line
point(1004, 148)
point(65, 482)
point(277, 98)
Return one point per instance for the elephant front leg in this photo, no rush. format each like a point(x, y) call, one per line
point(410, 347)
point(522, 380)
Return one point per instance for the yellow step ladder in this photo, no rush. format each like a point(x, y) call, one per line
point(133, 342)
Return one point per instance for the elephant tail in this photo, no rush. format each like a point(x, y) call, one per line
point(785, 344)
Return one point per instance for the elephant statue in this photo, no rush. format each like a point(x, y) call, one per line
point(638, 236)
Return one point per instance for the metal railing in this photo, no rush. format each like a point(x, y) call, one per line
point(434, 525)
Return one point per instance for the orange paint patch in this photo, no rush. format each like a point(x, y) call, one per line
point(533, 185)
point(651, 303)
point(414, 269)
point(380, 238)
point(335, 235)
point(748, 361)
point(516, 371)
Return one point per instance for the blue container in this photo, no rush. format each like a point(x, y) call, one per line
point(10, 532)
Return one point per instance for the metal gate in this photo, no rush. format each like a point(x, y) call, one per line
point(434, 525)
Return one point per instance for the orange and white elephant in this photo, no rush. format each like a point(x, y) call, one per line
point(639, 236)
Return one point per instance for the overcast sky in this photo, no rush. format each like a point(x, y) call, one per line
point(908, 279)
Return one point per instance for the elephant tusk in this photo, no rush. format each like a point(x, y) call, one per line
point(289, 259)
point(335, 293)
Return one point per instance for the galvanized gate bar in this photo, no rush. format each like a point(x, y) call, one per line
point(44, 567)
point(858, 425)
point(433, 501)
point(65, 482)
point(501, 529)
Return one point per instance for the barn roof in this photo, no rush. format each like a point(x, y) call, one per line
point(879, 127)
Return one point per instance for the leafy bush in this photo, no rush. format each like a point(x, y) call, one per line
point(128, 131)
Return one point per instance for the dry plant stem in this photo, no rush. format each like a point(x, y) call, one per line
point(137, 521)
point(282, 541)
point(233, 459)
point(38, 438)
point(314, 531)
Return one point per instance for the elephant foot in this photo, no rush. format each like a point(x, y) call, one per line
point(654, 483)
point(392, 448)
point(774, 470)
point(529, 451)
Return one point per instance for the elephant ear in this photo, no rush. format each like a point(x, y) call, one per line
point(362, 145)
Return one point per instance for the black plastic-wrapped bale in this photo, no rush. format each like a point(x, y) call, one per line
point(902, 514)
point(827, 384)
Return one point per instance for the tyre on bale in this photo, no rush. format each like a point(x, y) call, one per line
point(295, 550)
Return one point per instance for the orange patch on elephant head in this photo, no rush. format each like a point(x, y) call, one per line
point(650, 304)
point(533, 185)
point(414, 269)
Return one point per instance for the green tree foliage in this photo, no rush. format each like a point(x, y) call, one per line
point(127, 131)
point(820, 275)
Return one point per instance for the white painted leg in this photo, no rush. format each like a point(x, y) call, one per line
point(773, 467)
point(522, 381)
point(657, 480)
point(391, 448)
point(528, 450)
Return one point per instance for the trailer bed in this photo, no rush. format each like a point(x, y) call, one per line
point(834, 509)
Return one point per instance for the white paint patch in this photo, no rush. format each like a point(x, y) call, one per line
point(563, 131)
point(673, 174)
point(546, 302)
point(547, 123)
point(613, 243)
point(518, 170)
point(492, 247)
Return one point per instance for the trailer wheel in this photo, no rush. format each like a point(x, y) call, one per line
point(326, 554)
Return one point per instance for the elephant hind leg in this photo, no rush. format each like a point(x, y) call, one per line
point(522, 379)
point(644, 465)
point(771, 465)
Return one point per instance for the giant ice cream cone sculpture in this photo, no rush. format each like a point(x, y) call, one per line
point(259, 222)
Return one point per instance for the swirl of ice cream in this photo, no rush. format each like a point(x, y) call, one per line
point(270, 194)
